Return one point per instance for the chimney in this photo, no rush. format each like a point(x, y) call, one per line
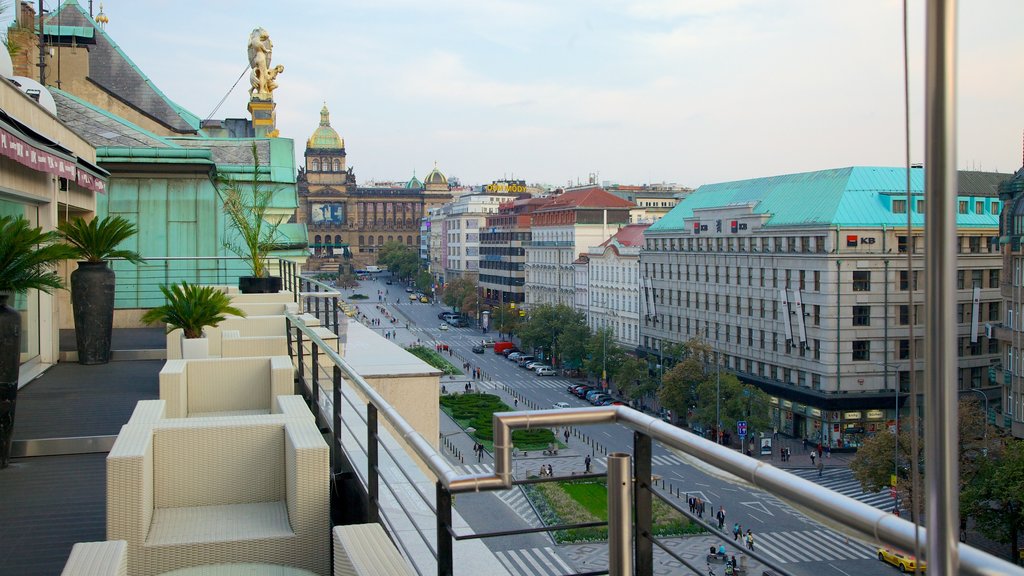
point(23, 36)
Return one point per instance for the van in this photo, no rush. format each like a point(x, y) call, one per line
point(500, 347)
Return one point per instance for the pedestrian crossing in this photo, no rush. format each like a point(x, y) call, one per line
point(544, 382)
point(533, 561)
point(513, 497)
point(810, 546)
point(656, 460)
point(841, 480)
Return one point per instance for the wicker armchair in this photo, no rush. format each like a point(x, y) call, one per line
point(97, 559)
point(224, 386)
point(197, 491)
point(366, 550)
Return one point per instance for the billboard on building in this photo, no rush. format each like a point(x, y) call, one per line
point(327, 213)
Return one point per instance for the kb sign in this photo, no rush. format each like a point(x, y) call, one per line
point(741, 428)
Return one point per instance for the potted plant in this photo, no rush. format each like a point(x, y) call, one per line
point(246, 205)
point(192, 307)
point(27, 260)
point(92, 284)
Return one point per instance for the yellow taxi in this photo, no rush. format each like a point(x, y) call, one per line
point(424, 299)
point(412, 297)
point(905, 562)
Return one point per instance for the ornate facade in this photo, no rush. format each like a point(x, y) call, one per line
point(343, 218)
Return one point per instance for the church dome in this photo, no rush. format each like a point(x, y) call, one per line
point(435, 178)
point(325, 137)
point(414, 182)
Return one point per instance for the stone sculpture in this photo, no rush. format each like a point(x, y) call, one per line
point(262, 77)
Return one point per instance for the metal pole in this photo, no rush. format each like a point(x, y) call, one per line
point(372, 474)
point(336, 416)
point(620, 512)
point(943, 509)
point(984, 420)
point(643, 549)
point(445, 566)
point(718, 399)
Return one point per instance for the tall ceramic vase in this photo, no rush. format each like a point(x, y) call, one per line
point(10, 352)
point(92, 299)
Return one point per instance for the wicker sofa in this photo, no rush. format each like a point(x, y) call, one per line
point(196, 491)
point(225, 386)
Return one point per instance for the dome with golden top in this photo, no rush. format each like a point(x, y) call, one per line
point(325, 137)
point(435, 178)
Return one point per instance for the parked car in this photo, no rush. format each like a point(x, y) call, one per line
point(478, 349)
point(488, 342)
point(458, 322)
point(412, 297)
point(424, 299)
point(441, 315)
point(592, 393)
point(560, 405)
point(573, 387)
point(408, 289)
point(508, 351)
point(582, 391)
point(596, 399)
point(389, 282)
point(546, 371)
point(514, 355)
point(524, 360)
point(531, 364)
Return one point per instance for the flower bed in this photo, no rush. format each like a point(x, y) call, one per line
point(476, 411)
point(579, 501)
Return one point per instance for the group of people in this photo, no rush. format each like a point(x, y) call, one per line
point(546, 471)
point(479, 449)
point(443, 348)
point(474, 373)
point(388, 315)
point(696, 506)
point(785, 453)
point(737, 533)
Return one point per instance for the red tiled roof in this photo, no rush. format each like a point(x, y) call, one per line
point(631, 235)
point(586, 198)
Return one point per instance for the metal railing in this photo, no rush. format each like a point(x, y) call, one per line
point(876, 525)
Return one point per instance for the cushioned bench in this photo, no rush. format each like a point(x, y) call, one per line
point(225, 386)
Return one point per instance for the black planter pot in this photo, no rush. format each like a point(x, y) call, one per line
point(10, 352)
point(259, 285)
point(92, 299)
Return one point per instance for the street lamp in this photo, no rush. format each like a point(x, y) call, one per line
point(984, 420)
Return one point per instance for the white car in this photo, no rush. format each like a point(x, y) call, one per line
point(444, 327)
point(514, 355)
point(560, 405)
point(545, 371)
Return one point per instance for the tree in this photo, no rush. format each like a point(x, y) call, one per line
point(880, 456)
point(506, 318)
point(347, 280)
point(995, 497)
point(424, 282)
point(733, 401)
point(603, 354)
point(572, 345)
point(401, 260)
point(461, 293)
point(678, 390)
point(632, 378)
point(547, 322)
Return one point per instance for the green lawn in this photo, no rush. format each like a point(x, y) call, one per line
point(579, 501)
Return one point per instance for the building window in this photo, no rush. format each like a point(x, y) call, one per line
point(817, 281)
point(904, 349)
point(861, 280)
point(901, 244)
point(817, 349)
point(995, 208)
point(904, 314)
point(862, 315)
point(962, 207)
point(993, 311)
point(920, 206)
point(899, 206)
point(817, 315)
point(369, 240)
point(993, 278)
point(337, 165)
point(314, 165)
point(903, 280)
point(960, 279)
point(861, 350)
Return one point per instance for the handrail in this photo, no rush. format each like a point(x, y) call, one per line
point(867, 521)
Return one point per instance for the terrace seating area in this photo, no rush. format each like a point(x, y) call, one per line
point(221, 467)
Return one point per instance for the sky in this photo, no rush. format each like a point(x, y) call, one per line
point(635, 91)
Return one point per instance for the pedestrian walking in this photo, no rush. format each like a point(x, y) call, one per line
point(812, 458)
point(516, 402)
point(750, 540)
point(819, 451)
point(821, 467)
point(586, 463)
point(828, 451)
point(566, 435)
point(693, 503)
point(736, 531)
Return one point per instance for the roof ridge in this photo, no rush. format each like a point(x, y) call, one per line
point(186, 116)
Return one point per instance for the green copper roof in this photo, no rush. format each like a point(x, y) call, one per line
point(325, 137)
point(854, 196)
point(65, 31)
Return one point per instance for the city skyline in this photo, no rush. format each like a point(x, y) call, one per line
point(634, 92)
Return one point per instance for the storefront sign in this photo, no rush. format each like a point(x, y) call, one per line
point(800, 408)
point(787, 404)
point(816, 412)
point(28, 155)
point(876, 414)
point(851, 416)
point(774, 400)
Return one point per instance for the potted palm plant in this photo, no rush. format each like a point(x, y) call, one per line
point(92, 284)
point(247, 204)
point(191, 308)
point(27, 260)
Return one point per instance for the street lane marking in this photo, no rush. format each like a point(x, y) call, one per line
point(759, 506)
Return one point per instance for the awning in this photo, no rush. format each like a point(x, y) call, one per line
point(21, 143)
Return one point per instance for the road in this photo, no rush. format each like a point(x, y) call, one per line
point(796, 543)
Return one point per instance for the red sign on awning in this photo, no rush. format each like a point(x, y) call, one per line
point(19, 150)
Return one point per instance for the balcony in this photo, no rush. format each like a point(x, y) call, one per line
point(376, 404)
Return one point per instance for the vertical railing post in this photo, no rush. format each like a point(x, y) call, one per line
point(288, 335)
point(643, 548)
point(335, 301)
point(620, 515)
point(336, 433)
point(372, 510)
point(314, 388)
point(301, 355)
point(444, 535)
point(316, 288)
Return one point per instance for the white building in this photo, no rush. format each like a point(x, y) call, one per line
point(564, 227)
point(608, 285)
point(798, 281)
point(464, 219)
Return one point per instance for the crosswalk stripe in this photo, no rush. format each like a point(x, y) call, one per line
point(797, 551)
point(539, 569)
point(818, 542)
point(513, 557)
point(557, 560)
point(772, 549)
